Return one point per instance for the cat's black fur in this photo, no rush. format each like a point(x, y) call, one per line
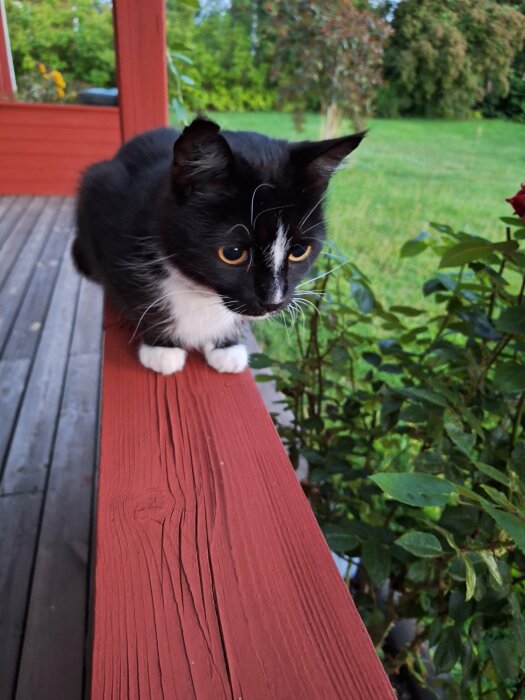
point(168, 202)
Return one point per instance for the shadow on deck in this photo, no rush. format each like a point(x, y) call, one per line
point(50, 346)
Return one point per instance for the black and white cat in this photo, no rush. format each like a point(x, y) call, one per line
point(193, 235)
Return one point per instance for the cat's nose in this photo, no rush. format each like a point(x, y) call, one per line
point(269, 306)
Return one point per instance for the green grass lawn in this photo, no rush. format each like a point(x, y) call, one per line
point(406, 173)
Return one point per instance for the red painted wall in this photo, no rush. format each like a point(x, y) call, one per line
point(44, 148)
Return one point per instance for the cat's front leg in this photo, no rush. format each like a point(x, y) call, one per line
point(165, 358)
point(230, 357)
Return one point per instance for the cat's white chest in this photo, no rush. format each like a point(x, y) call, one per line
point(199, 315)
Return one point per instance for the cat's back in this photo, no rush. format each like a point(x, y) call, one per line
point(150, 150)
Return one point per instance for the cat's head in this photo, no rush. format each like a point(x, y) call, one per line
point(244, 214)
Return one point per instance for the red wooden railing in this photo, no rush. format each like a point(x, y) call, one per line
point(213, 579)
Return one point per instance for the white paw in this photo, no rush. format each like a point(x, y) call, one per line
point(163, 360)
point(233, 359)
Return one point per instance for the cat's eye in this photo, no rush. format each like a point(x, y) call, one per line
point(233, 255)
point(300, 251)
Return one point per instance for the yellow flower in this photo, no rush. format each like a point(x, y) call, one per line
point(58, 79)
point(60, 92)
point(41, 68)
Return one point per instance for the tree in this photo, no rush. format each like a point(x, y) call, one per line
point(329, 53)
point(220, 43)
point(76, 39)
point(446, 55)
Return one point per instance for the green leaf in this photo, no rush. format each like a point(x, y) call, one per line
point(506, 657)
point(260, 361)
point(372, 358)
point(186, 79)
point(376, 559)
point(513, 526)
point(498, 497)
point(442, 228)
point(492, 566)
point(512, 320)
point(510, 377)
point(474, 249)
point(463, 441)
point(415, 489)
point(470, 579)
point(423, 395)
point(181, 57)
point(363, 296)
point(511, 220)
point(422, 544)
point(412, 248)
point(493, 473)
point(448, 650)
point(339, 538)
point(179, 110)
point(407, 310)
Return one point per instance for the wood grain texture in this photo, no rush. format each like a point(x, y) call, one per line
point(213, 579)
point(19, 515)
point(30, 451)
point(51, 665)
point(44, 148)
point(50, 337)
point(11, 293)
point(25, 333)
point(140, 43)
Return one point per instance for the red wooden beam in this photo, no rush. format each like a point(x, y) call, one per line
point(213, 579)
point(140, 42)
point(7, 74)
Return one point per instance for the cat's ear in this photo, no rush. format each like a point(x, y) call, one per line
point(201, 155)
point(316, 161)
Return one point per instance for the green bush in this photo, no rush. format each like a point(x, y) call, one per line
point(412, 422)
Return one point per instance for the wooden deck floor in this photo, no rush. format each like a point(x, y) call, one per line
point(50, 342)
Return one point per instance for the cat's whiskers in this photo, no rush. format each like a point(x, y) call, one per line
point(327, 221)
point(284, 206)
point(165, 296)
point(309, 304)
point(262, 184)
point(324, 274)
point(236, 226)
point(310, 292)
point(305, 218)
point(147, 263)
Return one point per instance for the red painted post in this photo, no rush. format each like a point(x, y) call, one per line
point(7, 75)
point(140, 43)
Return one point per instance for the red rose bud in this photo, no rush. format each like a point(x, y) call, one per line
point(518, 203)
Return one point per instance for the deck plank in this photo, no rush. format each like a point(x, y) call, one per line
point(5, 203)
point(11, 215)
point(19, 515)
point(52, 658)
point(17, 279)
point(25, 334)
point(87, 336)
point(17, 235)
point(47, 484)
point(213, 579)
point(28, 459)
point(13, 375)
